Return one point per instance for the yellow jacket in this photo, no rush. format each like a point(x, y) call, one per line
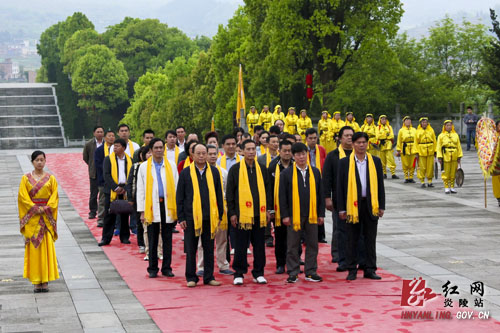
point(277, 116)
point(252, 121)
point(265, 119)
point(425, 139)
point(406, 141)
point(303, 124)
point(385, 137)
point(448, 146)
point(291, 123)
point(371, 130)
point(324, 128)
point(336, 126)
point(353, 124)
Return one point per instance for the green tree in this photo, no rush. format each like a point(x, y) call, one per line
point(491, 56)
point(100, 80)
point(75, 47)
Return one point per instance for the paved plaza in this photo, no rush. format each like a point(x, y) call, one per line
point(424, 233)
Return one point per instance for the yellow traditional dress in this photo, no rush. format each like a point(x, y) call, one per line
point(325, 135)
point(278, 116)
point(353, 124)
point(291, 123)
point(408, 149)
point(39, 229)
point(265, 119)
point(385, 139)
point(303, 124)
point(252, 121)
point(371, 130)
point(335, 129)
point(449, 150)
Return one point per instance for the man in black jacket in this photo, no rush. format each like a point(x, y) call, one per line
point(99, 155)
point(184, 197)
point(367, 220)
point(88, 157)
point(303, 222)
point(256, 233)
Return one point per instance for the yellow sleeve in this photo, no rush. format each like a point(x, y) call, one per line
point(399, 146)
point(53, 202)
point(24, 202)
point(391, 133)
point(261, 119)
point(459, 150)
point(434, 139)
point(439, 152)
point(310, 123)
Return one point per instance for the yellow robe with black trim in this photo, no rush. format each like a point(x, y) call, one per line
point(40, 263)
point(325, 135)
point(302, 125)
point(425, 141)
point(371, 130)
point(449, 149)
point(291, 124)
point(276, 116)
point(265, 120)
point(252, 121)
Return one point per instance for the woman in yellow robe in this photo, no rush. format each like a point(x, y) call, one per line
point(351, 122)
point(407, 149)
point(337, 124)
point(277, 114)
point(252, 119)
point(38, 202)
point(291, 121)
point(325, 134)
point(449, 153)
point(370, 128)
point(303, 124)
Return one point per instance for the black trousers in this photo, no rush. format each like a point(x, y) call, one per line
point(94, 191)
point(280, 244)
point(257, 237)
point(166, 237)
point(191, 247)
point(321, 232)
point(369, 229)
point(140, 230)
point(109, 223)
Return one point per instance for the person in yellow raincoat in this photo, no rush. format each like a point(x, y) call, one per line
point(303, 124)
point(370, 128)
point(407, 149)
point(266, 118)
point(495, 180)
point(277, 114)
point(37, 203)
point(325, 134)
point(291, 120)
point(337, 124)
point(351, 122)
point(385, 140)
point(252, 119)
point(449, 153)
point(425, 140)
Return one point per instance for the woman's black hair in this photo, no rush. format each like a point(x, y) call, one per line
point(143, 151)
point(37, 153)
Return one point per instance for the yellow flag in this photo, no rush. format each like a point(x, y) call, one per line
point(241, 97)
point(212, 127)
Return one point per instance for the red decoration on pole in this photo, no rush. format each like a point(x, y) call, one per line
point(309, 93)
point(309, 79)
point(309, 90)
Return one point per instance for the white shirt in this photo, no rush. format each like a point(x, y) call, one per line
point(122, 175)
point(98, 144)
point(361, 166)
point(127, 150)
point(229, 161)
point(304, 174)
point(171, 155)
point(181, 146)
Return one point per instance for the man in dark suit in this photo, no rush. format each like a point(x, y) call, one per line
point(368, 219)
point(88, 157)
point(99, 155)
point(115, 186)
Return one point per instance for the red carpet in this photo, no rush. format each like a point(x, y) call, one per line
point(332, 305)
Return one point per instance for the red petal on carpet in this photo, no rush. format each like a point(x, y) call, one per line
point(332, 305)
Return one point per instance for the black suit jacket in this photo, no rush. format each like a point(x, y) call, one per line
point(184, 195)
point(330, 174)
point(342, 181)
point(286, 193)
point(109, 183)
point(88, 156)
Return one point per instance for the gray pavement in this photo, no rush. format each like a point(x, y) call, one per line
point(424, 233)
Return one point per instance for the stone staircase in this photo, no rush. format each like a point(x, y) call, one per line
point(29, 117)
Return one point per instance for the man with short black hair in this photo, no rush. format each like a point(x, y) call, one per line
point(230, 157)
point(124, 133)
point(361, 202)
point(172, 151)
point(99, 155)
point(88, 157)
point(147, 136)
point(180, 132)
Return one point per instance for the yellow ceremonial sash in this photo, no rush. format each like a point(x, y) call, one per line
point(169, 191)
point(246, 200)
point(341, 152)
point(313, 212)
point(277, 212)
point(106, 149)
point(176, 149)
point(187, 162)
point(268, 158)
point(223, 161)
point(114, 171)
point(197, 209)
point(352, 189)
point(131, 148)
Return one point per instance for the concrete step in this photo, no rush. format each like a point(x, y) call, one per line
point(28, 110)
point(27, 100)
point(30, 131)
point(25, 91)
point(32, 120)
point(31, 143)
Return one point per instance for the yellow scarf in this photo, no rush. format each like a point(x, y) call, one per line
point(131, 148)
point(313, 213)
point(106, 149)
point(169, 191)
point(114, 171)
point(277, 213)
point(352, 189)
point(223, 161)
point(268, 158)
point(223, 224)
point(197, 210)
point(246, 200)
point(317, 158)
point(187, 162)
point(341, 152)
point(176, 154)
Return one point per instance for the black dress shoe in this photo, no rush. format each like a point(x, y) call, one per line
point(100, 224)
point(407, 181)
point(103, 243)
point(341, 269)
point(175, 231)
point(322, 241)
point(269, 243)
point(423, 186)
point(351, 276)
point(385, 176)
point(395, 177)
point(411, 180)
point(280, 270)
point(335, 260)
point(168, 274)
point(371, 275)
point(126, 241)
point(153, 275)
point(92, 216)
point(430, 185)
point(301, 262)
